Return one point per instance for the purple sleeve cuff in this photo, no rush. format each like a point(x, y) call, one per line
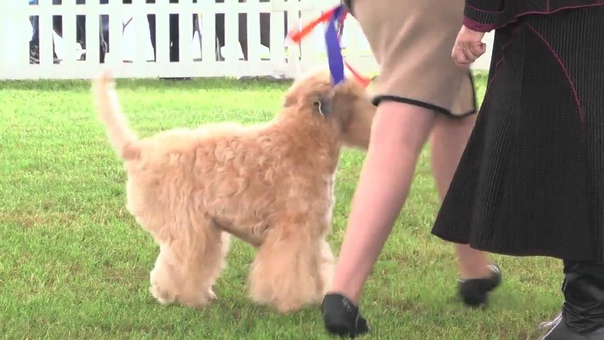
point(484, 15)
point(476, 26)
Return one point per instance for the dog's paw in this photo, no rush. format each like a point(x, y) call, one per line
point(211, 294)
point(164, 297)
point(198, 301)
point(288, 306)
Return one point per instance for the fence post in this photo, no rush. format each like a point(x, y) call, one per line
point(15, 34)
point(277, 40)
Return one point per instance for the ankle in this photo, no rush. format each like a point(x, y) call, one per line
point(351, 297)
point(473, 263)
point(482, 272)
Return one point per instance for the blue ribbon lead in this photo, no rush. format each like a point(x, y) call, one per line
point(334, 50)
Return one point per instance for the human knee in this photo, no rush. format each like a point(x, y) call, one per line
point(401, 125)
point(448, 122)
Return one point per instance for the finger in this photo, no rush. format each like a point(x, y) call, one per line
point(478, 49)
point(459, 57)
point(458, 48)
point(468, 54)
point(462, 57)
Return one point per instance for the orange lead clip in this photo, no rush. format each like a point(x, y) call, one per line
point(296, 36)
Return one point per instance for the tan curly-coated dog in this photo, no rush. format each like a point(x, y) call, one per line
point(270, 185)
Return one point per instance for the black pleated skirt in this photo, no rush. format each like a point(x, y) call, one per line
point(531, 180)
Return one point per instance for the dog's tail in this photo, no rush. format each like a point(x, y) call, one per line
point(121, 137)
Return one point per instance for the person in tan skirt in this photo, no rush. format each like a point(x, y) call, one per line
point(420, 92)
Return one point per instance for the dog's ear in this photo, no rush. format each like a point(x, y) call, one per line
point(323, 103)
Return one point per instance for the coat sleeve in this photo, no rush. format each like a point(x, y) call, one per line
point(483, 15)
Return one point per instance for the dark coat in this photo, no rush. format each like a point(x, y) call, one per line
point(486, 15)
point(531, 179)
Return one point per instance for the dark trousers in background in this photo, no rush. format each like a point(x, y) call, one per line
point(173, 27)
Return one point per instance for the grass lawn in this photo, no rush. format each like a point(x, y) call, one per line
point(75, 265)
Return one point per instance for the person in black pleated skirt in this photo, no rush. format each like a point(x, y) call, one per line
point(531, 179)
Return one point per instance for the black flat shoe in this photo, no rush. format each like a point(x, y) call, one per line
point(474, 292)
point(342, 317)
point(559, 330)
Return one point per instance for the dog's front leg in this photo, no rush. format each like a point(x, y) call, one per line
point(327, 267)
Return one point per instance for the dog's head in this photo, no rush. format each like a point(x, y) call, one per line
point(345, 110)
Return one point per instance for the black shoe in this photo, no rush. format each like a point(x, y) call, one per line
point(474, 292)
point(342, 317)
point(559, 330)
point(582, 316)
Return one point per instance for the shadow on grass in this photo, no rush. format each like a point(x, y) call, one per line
point(82, 85)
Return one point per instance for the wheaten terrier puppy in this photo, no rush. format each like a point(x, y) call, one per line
point(270, 185)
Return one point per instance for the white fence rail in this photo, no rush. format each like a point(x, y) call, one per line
point(70, 39)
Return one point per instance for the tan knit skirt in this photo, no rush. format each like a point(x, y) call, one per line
point(412, 42)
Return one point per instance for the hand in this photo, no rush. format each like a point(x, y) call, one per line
point(468, 46)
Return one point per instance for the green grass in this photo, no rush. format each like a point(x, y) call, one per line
point(74, 264)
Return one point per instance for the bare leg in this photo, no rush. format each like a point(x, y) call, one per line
point(449, 139)
point(398, 135)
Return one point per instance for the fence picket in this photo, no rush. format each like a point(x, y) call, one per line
point(130, 51)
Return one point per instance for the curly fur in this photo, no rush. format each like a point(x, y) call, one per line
point(270, 185)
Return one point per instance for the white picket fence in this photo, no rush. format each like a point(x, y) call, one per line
point(130, 49)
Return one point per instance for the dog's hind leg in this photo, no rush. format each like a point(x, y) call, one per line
point(186, 269)
point(286, 272)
